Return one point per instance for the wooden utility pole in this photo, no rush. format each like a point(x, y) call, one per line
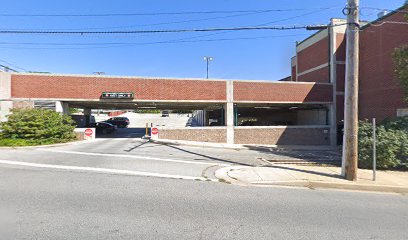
point(350, 138)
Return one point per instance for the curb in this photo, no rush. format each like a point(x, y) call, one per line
point(242, 146)
point(334, 185)
point(50, 145)
point(222, 173)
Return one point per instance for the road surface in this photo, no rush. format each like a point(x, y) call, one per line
point(126, 189)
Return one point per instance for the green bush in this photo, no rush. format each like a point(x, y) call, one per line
point(39, 125)
point(399, 123)
point(392, 144)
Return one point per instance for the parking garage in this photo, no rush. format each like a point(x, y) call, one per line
point(223, 111)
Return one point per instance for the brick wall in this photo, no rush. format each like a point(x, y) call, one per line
point(282, 135)
point(23, 104)
point(78, 87)
point(293, 73)
point(319, 75)
point(340, 47)
point(380, 94)
point(199, 134)
point(314, 55)
point(282, 92)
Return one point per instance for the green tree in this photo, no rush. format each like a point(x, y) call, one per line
point(38, 124)
point(392, 144)
point(401, 68)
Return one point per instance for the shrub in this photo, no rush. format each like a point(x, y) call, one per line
point(38, 125)
point(399, 123)
point(392, 144)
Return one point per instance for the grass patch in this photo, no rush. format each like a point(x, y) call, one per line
point(221, 180)
point(18, 142)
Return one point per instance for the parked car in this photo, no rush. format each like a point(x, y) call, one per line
point(121, 122)
point(105, 127)
point(165, 114)
point(80, 120)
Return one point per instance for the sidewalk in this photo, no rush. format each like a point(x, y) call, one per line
point(314, 177)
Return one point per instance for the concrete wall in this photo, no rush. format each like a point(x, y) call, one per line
point(199, 134)
point(285, 135)
point(5, 94)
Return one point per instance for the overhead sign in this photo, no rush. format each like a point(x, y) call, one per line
point(117, 95)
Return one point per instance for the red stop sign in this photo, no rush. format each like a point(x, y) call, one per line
point(155, 131)
point(88, 132)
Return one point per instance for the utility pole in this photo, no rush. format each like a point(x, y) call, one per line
point(350, 138)
point(208, 59)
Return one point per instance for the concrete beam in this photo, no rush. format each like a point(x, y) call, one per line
point(229, 112)
point(62, 107)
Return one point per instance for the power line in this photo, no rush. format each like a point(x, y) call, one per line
point(6, 68)
point(387, 10)
point(160, 23)
point(13, 65)
point(155, 31)
point(157, 13)
point(113, 45)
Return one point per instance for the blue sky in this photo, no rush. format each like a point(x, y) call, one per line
point(266, 55)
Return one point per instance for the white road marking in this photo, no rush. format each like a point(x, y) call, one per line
point(136, 157)
point(105, 170)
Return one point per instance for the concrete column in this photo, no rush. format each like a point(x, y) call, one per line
point(333, 124)
point(5, 95)
point(229, 112)
point(229, 117)
point(87, 114)
point(62, 107)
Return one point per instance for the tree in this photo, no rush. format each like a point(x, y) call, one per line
point(38, 124)
point(401, 68)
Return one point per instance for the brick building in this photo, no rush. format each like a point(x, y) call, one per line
point(305, 109)
point(321, 58)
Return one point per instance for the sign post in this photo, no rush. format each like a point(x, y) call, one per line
point(374, 150)
point(85, 133)
point(89, 134)
point(155, 134)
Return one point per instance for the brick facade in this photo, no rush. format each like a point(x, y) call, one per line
point(282, 135)
point(209, 134)
point(282, 92)
point(380, 94)
point(321, 75)
point(313, 56)
point(81, 87)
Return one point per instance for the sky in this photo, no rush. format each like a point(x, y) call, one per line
point(256, 54)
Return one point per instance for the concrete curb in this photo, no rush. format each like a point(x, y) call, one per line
point(242, 146)
point(334, 185)
point(222, 174)
point(51, 145)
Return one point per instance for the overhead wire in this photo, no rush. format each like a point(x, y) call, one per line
point(113, 45)
point(13, 65)
point(155, 13)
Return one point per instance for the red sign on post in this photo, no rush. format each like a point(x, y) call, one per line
point(155, 131)
point(88, 132)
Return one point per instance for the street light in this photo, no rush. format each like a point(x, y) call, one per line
point(208, 59)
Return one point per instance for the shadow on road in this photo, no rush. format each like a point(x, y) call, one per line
point(203, 155)
point(331, 156)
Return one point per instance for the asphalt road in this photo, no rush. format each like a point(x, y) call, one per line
point(45, 204)
point(126, 189)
